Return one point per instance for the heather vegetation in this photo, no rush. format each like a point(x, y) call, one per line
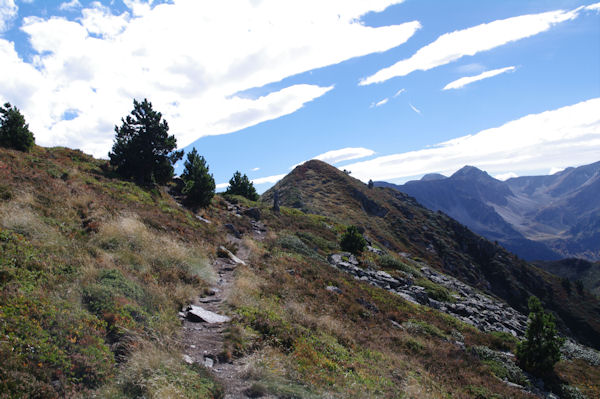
point(94, 269)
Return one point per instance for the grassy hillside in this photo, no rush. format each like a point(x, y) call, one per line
point(93, 271)
point(396, 221)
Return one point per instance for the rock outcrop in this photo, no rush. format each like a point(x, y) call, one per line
point(469, 305)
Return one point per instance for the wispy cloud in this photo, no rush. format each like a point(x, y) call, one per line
point(399, 92)
point(8, 12)
point(96, 64)
point(255, 169)
point(70, 5)
point(343, 154)
point(455, 45)
point(379, 103)
point(418, 111)
point(534, 142)
point(593, 7)
point(462, 82)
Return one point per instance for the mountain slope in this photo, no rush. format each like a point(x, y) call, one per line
point(94, 272)
point(398, 222)
point(536, 217)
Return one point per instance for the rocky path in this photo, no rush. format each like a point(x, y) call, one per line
point(205, 323)
point(203, 341)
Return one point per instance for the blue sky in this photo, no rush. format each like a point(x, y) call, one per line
point(387, 89)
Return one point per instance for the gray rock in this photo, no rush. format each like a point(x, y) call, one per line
point(254, 213)
point(232, 256)
point(332, 288)
point(188, 359)
point(208, 362)
point(199, 314)
point(375, 250)
point(200, 218)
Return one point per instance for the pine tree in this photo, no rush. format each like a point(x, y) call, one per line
point(199, 184)
point(143, 149)
point(14, 132)
point(541, 348)
point(352, 241)
point(240, 185)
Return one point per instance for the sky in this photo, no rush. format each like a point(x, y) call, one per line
point(387, 89)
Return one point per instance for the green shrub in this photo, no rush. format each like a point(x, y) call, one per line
point(390, 262)
point(14, 132)
point(320, 242)
point(294, 244)
point(435, 291)
point(352, 241)
point(541, 348)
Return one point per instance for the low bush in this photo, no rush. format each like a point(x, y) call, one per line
point(435, 291)
point(389, 262)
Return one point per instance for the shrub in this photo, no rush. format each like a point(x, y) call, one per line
point(143, 150)
point(240, 185)
point(199, 184)
point(352, 241)
point(435, 291)
point(541, 348)
point(14, 132)
point(389, 262)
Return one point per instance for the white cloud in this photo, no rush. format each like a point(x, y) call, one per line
point(268, 179)
point(418, 111)
point(554, 170)
point(341, 155)
point(506, 176)
point(399, 92)
point(189, 58)
point(452, 46)
point(70, 5)
point(534, 142)
point(462, 82)
point(379, 103)
point(593, 7)
point(255, 169)
point(8, 12)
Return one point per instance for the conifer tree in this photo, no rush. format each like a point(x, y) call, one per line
point(14, 132)
point(240, 185)
point(199, 184)
point(352, 241)
point(541, 348)
point(143, 149)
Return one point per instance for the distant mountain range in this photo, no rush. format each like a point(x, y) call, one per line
point(536, 217)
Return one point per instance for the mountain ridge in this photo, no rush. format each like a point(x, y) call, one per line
point(537, 217)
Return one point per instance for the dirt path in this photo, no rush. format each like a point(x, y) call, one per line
point(203, 342)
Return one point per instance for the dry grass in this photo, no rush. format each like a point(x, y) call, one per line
point(155, 372)
point(127, 236)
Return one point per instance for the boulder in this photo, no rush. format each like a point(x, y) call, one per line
point(199, 314)
point(254, 213)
